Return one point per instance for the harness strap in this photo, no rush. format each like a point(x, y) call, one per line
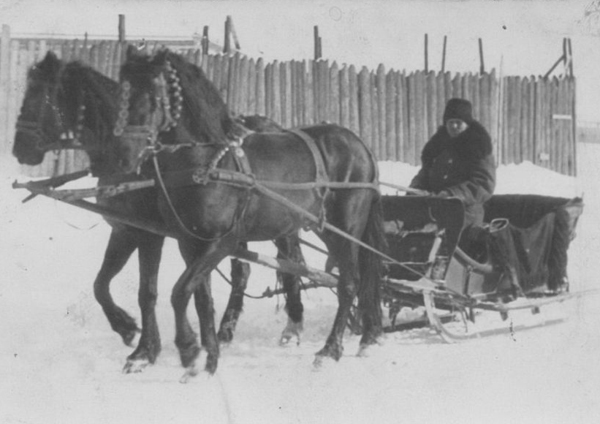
point(321, 172)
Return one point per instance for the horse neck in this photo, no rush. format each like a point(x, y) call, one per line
point(206, 117)
point(98, 94)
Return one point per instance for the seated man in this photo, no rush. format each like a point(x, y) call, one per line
point(458, 162)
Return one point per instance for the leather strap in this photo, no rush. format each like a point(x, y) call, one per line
point(321, 171)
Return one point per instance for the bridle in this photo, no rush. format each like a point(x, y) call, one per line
point(68, 139)
point(148, 133)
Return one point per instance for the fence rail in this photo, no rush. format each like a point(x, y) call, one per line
point(395, 112)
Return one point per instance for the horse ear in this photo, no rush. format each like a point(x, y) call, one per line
point(50, 64)
point(161, 56)
point(51, 56)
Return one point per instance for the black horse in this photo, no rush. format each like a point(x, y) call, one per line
point(70, 105)
point(325, 170)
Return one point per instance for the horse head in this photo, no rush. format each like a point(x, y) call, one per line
point(66, 106)
point(40, 122)
point(166, 101)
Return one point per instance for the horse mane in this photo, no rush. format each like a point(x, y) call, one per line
point(83, 85)
point(205, 116)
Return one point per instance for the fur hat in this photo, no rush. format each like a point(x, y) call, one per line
point(458, 109)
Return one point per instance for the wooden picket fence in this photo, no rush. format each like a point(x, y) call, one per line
point(394, 112)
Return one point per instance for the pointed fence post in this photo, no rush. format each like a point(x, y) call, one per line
point(121, 28)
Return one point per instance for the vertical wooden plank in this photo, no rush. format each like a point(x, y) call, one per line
point(457, 86)
point(309, 92)
point(573, 132)
point(93, 56)
point(116, 61)
point(373, 115)
point(380, 117)
point(334, 93)
point(245, 85)
point(344, 97)
point(484, 101)
point(316, 91)
point(555, 126)
point(517, 106)
point(421, 114)
point(448, 89)
point(324, 85)
point(547, 123)
point(431, 104)
point(440, 99)
point(412, 148)
point(506, 121)
point(231, 86)
point(302, 101)
point(276, 93)
point(269, 90)
point(402, 127)
point(523, 118)
point(252, 87)
point(293, 93)
point(239, 85)
point(261, 95)
point(390, 116)
point(286, 94)
point(354, 106)
point(76, 52)
point(496, 112)
point(206, 61)
point(110, 58)
point(540, 123)
point(561, 137)
point(216, 73)
point(103, 57)
point(511, 141)
point(474, 81)
point(228, 70)
point(364, 111)
point(226, 64)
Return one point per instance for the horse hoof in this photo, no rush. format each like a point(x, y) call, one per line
point(190, 373)
point(292, 329)
point(363, 351)
point(135, 366)
point(225, 337)
point(322, 362)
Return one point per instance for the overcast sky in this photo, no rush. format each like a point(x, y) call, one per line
point(519, 37)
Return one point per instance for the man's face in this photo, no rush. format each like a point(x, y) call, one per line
point(456, 126)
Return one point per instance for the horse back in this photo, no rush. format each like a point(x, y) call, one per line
point(287, 157)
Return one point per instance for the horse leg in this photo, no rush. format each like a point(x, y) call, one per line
point(289, 248)
point(120, 246)
point(148, 349)
point(194, 280)
point(240, 271)
point(345, 254)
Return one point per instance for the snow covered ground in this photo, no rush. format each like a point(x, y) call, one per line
point(61, 363)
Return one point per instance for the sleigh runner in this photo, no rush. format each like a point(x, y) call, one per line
point(426, 271)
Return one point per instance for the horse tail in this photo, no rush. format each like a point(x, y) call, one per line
point(371, 274)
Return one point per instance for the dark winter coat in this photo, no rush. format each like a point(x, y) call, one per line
point(462, 167)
